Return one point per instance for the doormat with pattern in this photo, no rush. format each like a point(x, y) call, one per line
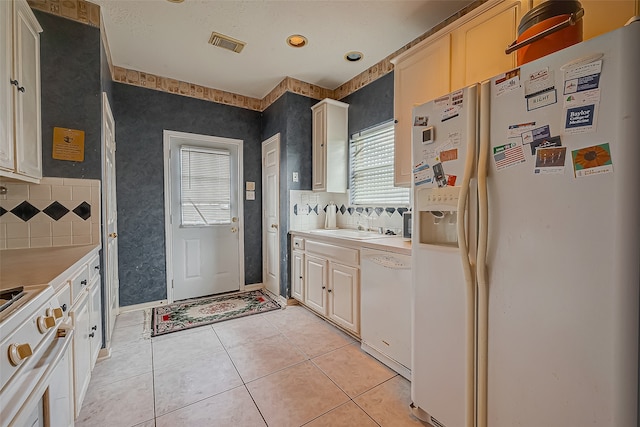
point(196, 312)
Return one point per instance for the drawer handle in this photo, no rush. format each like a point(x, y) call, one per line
point(97, 267)
point(91, 335)
point(84, 282)
point(94, 327)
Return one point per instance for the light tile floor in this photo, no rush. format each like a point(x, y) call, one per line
point(281, 368)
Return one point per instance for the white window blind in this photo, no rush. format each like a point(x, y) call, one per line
point(371, 161)
point(205, 186)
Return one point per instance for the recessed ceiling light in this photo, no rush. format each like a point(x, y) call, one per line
point(353, 56)
point(297, 40)
point(175, 1)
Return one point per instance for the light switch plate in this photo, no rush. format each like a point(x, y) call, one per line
point(251, 195)
point(295, 177)
point(251, 185)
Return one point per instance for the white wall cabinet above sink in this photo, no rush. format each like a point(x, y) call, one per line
point(330, 146)
point(20, 123)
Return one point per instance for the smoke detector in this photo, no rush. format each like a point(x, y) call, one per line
point(226, 42)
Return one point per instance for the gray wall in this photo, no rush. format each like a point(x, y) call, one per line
point(70, 85)
point(371, 105)
point(291, 116)
point(141, 115)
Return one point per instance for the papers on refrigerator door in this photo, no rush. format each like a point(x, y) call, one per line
point(581, 111)
point(592, 160)
point(582, 77)
point(507, 82)
point(539, 89)
point(550, 160)
point(508, 155)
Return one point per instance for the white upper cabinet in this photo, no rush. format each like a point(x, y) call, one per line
point(330, 146)
point(420, 74)
point(20, 126)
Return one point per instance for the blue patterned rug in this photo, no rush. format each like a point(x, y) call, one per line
point(196, 312)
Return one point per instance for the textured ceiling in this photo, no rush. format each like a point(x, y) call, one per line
point(171, 40)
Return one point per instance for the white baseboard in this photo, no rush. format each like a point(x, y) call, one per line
point(253, 287)
point(396, 366)
point(142, 306)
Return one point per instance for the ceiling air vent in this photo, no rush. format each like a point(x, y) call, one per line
point(226, 42)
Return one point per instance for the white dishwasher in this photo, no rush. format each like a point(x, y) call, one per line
point(385, 308)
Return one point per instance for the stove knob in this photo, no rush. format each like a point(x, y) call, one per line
point(45, 323)
point(56, 313)
point(19, 352)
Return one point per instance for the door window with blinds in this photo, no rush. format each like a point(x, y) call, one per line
point(371, 154)
point(205, 186)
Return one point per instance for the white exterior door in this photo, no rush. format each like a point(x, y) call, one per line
point(271, 214)
point(110, 215)
point(204, 231)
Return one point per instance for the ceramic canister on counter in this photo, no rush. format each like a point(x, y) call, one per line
point(330, 218)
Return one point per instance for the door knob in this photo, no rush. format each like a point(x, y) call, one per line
point(234, 219)
point(274, 225)
point(234, 229)
point(113, 235)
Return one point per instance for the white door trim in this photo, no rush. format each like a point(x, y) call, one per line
point(275, 138)
point(108, 315)
point(167, 135)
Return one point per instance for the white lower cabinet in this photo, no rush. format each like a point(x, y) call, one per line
point(326, 279)
point(344, 296)
point(297, 275)
point(81, 351)
point(86, 313)
point(95, 320)
point(316, 283)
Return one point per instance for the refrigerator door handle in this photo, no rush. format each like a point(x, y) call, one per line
point(483, 225)
point(471, 132)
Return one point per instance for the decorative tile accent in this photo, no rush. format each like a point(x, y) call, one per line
point(343, 209)
point(25, 211)
point(55, 211)
point(72, 220)
point(83, 210)
point(402, 210)
point(350, 210)
point(390, 211)
point(379, 211)
point(2, 211)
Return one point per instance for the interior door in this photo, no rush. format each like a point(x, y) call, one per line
point(110, 215)
point(271, 214)
point(205, 233)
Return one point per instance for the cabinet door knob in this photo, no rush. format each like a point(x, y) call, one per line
point(83, 282)
point(274, 225)
point(113, 235)
point(328, 290)
point(91, 335)
point(94, 327)
point(64, 307)
point(324, 287)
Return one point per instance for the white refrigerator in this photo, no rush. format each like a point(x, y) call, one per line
point(526, 244)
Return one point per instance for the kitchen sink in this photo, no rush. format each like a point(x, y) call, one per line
point(349, 233)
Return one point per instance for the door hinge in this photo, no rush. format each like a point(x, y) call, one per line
point(171, 283)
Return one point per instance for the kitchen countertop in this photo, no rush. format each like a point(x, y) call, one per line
point(40, 266)
point(396, 244)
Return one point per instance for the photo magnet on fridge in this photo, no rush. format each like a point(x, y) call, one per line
point(438, 175)
point(550, 160)
point(421, 121)
point(593, 160)
point(553, 141)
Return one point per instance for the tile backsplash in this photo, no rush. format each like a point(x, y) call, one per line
point(307, 212)
point(56, 212)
